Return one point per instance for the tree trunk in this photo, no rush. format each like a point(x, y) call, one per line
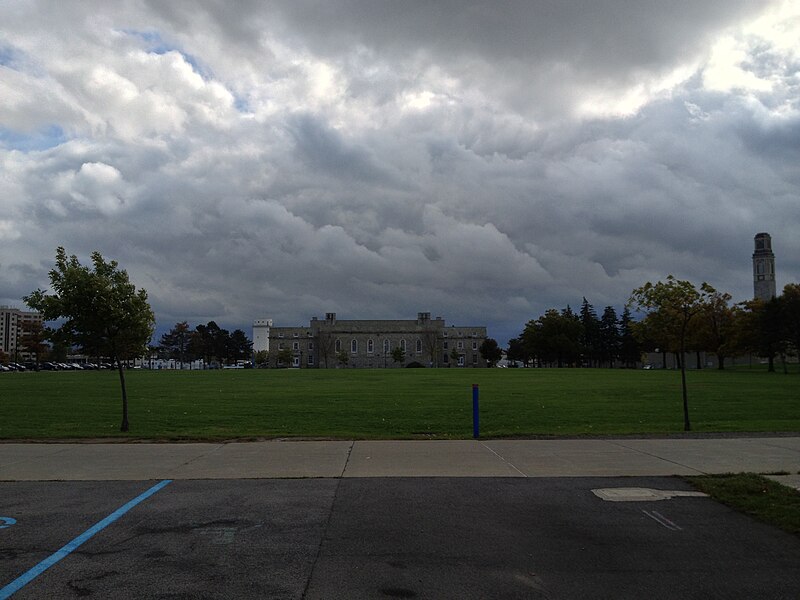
point(124, 426)
point(720, 362)
point(771, 363)
point(699, 362)
point(686, 425)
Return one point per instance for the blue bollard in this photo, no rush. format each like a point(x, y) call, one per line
point(475, 416)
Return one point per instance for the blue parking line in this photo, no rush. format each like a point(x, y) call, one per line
point(48, 562)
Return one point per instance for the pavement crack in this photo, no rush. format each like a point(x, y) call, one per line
point(674, 462)
point(324, 535)
point(510, 464)
point(347, 458)
point(217, 448)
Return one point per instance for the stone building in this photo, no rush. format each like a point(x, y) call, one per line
point(371, 343)
point(261, 335)
point(12, 330)
point(763, 268)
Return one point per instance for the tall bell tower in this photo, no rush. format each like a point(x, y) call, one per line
point(763, 268)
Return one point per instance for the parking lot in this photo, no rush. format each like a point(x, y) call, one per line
point(431, 537)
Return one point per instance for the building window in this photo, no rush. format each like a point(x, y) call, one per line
point(474, 359)
point(444, 334)
point(445, 358)
point(338, 346)
point(419, 346)
point(310, 359)
point(461, 360)
point(353, 346)
point(280, 335)
point(403, 345)
point(294, 334)
point(386, 346)
point(295, 346)
point(310, 345)
point(444, 346)
point(370, 346)
point(474, 345)
point(280, 346)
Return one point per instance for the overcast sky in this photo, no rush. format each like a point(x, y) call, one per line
point(482, 161)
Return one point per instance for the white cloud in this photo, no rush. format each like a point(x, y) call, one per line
point(374, 160)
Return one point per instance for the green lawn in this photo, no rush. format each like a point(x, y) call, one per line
point(402, 403)
point(754, 495)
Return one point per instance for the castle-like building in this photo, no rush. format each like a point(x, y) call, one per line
point(333, 342)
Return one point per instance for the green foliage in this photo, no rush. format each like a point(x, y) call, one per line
point(262, 358)
point(175, 343)
point(554, 338)
point(102, 311)
point(490, 352)
point(398, 355)
point(101, 308)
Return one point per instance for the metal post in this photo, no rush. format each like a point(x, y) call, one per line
point(475, 416)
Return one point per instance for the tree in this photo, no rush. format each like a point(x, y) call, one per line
point(342, 358)
point(100, 307)
point(210, 342)
point(554, 337)
point(590, 337)
point(517, 352)
point(175, 343)
point(398, 355)
point(239, 346)
point(431, 345)
point(676, 302)
point(609, 336)
point(791, 315)
point(714, 328)
point(261, 359)
point(284, 356)
point(629, 349)
point(33, 339)
point(326, 344)
point(455, 355)
point(490, 352)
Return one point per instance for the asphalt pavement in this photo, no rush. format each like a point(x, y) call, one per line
point(584, 518)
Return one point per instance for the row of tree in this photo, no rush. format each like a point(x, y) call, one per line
point(208, 342)
point(679, 319)
point(565, 338)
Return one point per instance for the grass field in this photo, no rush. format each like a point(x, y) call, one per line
point(399, 404)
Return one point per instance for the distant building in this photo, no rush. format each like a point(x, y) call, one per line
point(763, 268)
point(261, 329)
point(12, 330)
point(370, 343)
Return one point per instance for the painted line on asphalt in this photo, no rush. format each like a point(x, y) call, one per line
point(662, 520)
point(48, 562)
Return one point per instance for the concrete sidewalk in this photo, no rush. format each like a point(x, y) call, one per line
point(455, 458)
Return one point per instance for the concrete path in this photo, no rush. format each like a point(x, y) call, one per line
point(455, 458)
